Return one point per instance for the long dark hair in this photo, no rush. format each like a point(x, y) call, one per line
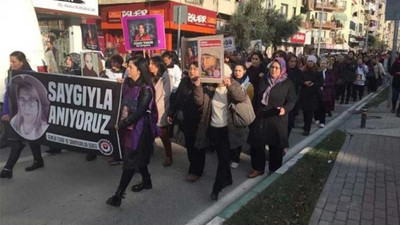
point(20, 56)
point(143, 66)
point(159, 63)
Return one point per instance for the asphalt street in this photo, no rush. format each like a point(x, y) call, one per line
point(70, 190)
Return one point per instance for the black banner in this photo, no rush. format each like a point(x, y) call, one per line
point(69, 112)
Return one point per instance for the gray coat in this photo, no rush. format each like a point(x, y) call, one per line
point(202, 97)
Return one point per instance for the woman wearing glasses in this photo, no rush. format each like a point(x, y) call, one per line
point(28, 119)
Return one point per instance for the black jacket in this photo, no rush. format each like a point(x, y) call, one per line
point(270, 128)
point(310, 96)
point(295, 75)
point(396, 77)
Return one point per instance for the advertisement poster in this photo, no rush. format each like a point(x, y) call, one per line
point(229, 44)
point(87, 7)
point(211, 53)
point(189, 52)
point(144, 32)
point(89, 36)
point(69, 112)
point(90, 64)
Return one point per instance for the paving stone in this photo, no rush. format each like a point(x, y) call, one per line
point(391, 220)
point(327, 216)
point(341, 215)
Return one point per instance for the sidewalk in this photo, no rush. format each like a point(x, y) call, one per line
point(364, 184)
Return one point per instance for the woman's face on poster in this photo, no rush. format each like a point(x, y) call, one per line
point(208, 62)
point(28, 105)
point(141, 29)
point(189, 52)
point(15, 64)
point(89, 61)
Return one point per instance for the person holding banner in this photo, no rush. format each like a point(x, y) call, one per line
point(163, 86)
point(28, 98)
point(137, 128)
point(216, 124)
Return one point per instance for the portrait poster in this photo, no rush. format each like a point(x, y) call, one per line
point(189, 52)
point(144, 32)
point(90, 61)
point(211, 53)
point(69, 112)
point(256, 46)
point(89, 36)
point(229, 44)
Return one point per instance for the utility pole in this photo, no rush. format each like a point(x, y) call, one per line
point(320, 28)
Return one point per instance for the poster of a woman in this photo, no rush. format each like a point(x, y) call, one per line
point(211, 53)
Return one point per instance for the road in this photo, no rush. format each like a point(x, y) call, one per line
point(70, 190)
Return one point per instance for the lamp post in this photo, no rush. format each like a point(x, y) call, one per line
point(320, 28)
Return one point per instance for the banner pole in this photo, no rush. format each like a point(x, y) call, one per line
point(179, 32)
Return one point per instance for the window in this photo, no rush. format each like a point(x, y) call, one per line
point(284, 10)
point(294, 11)
point(324, 16)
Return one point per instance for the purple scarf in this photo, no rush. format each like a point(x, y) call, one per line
point(130, 138)
point(272, 82)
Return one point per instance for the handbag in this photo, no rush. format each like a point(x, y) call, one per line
point(242, 113)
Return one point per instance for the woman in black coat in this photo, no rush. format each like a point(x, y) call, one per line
point(256, 70)
point(310, 93)
point(275, 99)
point(185, 105)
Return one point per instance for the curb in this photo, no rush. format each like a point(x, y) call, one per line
point(250, 188)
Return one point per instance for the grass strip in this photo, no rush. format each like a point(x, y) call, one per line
point(381, 97)
point(291, 199)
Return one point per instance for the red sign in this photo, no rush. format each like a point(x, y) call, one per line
point(298, 38)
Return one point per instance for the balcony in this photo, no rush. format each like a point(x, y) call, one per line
point(330, 6)
point(329, 25)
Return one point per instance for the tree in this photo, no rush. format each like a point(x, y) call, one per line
point(252, 21)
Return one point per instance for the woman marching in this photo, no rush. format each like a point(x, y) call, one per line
point(163, 87)
point(275, 99)
point(28, 99)
point(216, 123)
point(137, 127)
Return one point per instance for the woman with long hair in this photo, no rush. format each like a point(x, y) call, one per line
point(19, 62)
point(256, 70)
point(190, 117)
point(137, 127)
point(163, 87)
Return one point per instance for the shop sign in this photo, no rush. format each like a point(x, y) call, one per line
point(201, 17)
point(298, 38)
point(89, 7)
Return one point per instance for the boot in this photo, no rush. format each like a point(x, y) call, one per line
point(116, 199)
point(146, 184)
point(6, 173)
point(214, 195)
point(35, 165)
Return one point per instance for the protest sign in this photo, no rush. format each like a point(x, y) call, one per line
point(211, 53)
point(89, 36)
point(69, 112)
point(189, 52)
point(144, 32)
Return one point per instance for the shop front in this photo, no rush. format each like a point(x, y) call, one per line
point(199, 21)
point(59, 22)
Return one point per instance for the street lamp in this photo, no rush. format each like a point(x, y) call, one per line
point(320, 28)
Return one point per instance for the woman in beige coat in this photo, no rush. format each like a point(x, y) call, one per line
point(163, 87)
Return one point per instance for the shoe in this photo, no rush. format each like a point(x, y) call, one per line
point(316, 122)
point(393, 110)
point(214, 196)
point(285, 150)
point(144, 185)
point(254, 174)
point(234, 165)
point(306, 133)
point(167, 162)
point(35, 165)
point(116, 199)
point(6, 173)
point(54, 150)
point(114, 162)
point(192, 177)
point(321, 125)
point(91, 157)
